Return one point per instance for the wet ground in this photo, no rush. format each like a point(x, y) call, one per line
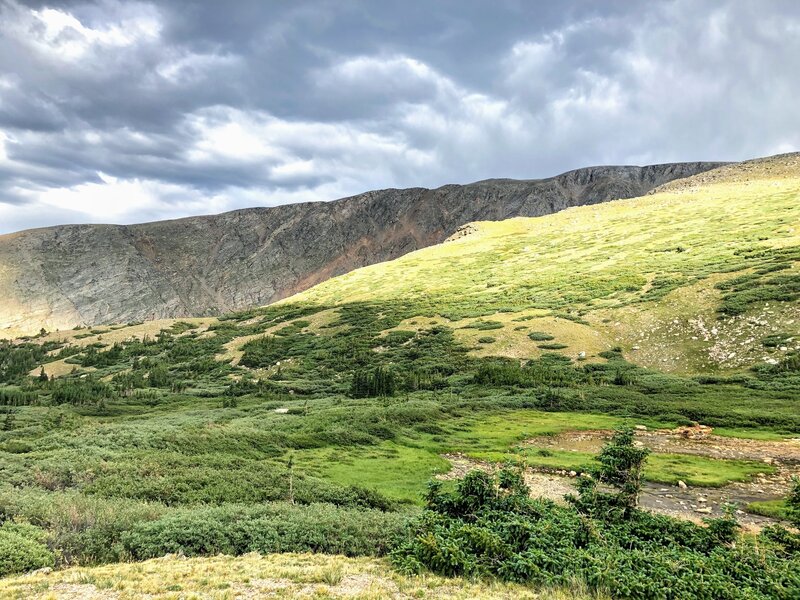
point(686, 502)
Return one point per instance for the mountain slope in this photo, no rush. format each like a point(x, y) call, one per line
point(690, 278)
point(64, 276)
point(315, 424)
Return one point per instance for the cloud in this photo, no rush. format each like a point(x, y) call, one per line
point(60, 36)
point(130, 111)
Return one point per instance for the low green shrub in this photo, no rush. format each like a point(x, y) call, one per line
point(540, 336)
point(23, 548)
point(280, 527)
point(482, 325)
point(490, 527)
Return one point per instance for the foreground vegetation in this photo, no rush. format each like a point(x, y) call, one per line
point(489, 526)
point(253, 575)
point(315, 425)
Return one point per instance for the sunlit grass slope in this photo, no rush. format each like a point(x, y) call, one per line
point(255, 576)
point(648, 272)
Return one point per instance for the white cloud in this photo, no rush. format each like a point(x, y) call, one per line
point(286, 149)
point(61, 35)
point(188, 68)
point(112, 200)
point(124, 111)
point(3, 152)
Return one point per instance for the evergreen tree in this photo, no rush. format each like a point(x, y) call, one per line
point(793, 502)
point(8, 422)
point(379, 381)
point(621, 468)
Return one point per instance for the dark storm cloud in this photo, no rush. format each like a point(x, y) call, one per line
point(123, 111)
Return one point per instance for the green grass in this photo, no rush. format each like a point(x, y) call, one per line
point(498, 432)
point(401, 470)
point(699, 470)
point(495, 439)
point(776, 509)
point(752, 434)
point(661, 468)
point(397, 471)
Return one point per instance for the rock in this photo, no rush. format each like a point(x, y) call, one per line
point(702, 500)
point(682, 485)
point(581, 354)
point(706, 510)
point(573, 474)
point(641, 428)
point(94, 274)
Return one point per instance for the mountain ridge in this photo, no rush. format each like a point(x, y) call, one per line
point(68, 275)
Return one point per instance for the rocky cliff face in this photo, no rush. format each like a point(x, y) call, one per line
point(60, 277)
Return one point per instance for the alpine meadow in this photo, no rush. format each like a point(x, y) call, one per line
point(603, 402)
point(409, 299)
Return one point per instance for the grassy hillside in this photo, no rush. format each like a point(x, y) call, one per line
point(694, 276)
point(315, 425)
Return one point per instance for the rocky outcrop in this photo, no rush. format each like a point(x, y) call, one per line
point(60, 277)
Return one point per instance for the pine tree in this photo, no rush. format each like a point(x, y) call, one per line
point(8, 422)
point(793, 503)
point(621, 468)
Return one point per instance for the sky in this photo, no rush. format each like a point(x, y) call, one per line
point(123, 111)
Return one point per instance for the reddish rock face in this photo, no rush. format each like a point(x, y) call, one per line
point(60, 277)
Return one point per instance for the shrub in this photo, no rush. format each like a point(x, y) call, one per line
point(793, 503)
point(540, 336)
point(267, 528)
point(554, 346)
point(22, 548)
point(482, 325)
point(489, 527)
